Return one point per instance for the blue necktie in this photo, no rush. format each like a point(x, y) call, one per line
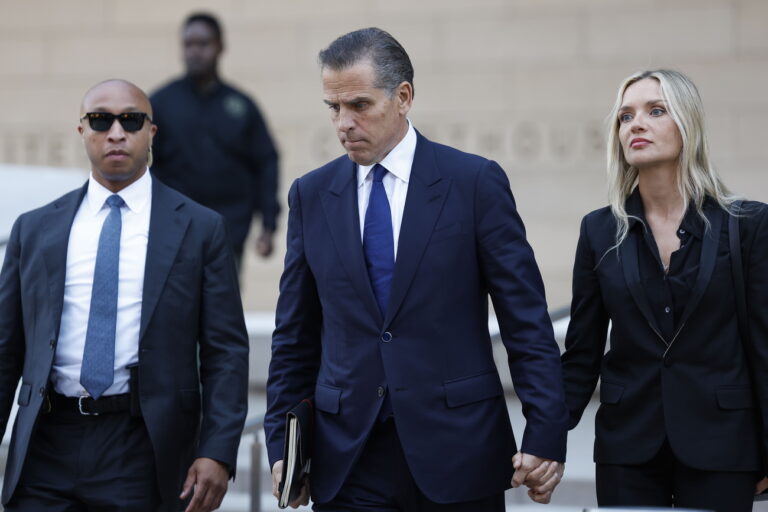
point(97, 371)
point(378, 241)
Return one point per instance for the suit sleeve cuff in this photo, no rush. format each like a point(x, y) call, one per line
point(546, 442)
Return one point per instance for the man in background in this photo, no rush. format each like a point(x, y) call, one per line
point(212, 143)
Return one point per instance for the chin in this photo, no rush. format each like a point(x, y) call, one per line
point(360, 159)
point(121, 175)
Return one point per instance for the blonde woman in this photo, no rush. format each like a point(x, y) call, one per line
point(679, 422)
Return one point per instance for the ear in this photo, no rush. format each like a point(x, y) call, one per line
point(404, 94)
point(152, 132)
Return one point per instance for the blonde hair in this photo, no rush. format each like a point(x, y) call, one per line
point(696, 177)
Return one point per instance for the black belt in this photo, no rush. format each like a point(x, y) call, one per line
point(87, 406)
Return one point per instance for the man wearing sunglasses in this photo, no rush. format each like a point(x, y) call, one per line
point(120, 313)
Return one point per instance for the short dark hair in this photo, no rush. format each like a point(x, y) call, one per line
point(389, 58)
point(207, 18)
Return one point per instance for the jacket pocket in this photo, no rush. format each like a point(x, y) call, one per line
point(327, 398)
point(610, 393)
point(24, 394)
point(190, 399)
point(735, 397)
point(475, 388)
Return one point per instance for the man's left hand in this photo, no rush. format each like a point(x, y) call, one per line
point(264, 244)
point(540, 475)
point(207, 478)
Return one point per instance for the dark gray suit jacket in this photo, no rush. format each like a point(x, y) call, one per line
point(191, 303)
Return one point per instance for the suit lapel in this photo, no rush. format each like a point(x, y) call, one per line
point(58, 225)
point(341, 211)
point(630, 265)
point(427, 191)
point(709, 245)
point(167, 225)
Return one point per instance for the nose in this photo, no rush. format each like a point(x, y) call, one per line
point(345, 120)
point(116, 132)
point(637, 124)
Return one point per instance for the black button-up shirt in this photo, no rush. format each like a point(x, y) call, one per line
point(215, 148)
point(667, 292)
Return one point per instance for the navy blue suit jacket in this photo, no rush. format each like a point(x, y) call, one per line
point(461, 239)
point(190, 302)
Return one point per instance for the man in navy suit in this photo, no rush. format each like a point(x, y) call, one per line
point(121, 315)
point(382, 318)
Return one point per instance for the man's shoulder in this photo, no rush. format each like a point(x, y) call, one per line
point(450, 158)
point(172, 196)
point(236, 99)
point(64, 200)
point(39, 217)
point(168, 89)
point(453, 162)
point(449, 152)
point(330, 171)
point(230, 88)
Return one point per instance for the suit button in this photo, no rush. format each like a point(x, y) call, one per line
point(42, 391)
point(386, 337)
point(380, 391)
point(667, 362)
point(52, 343)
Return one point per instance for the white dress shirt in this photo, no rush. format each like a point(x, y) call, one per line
point(398, 162)
point(81, 260)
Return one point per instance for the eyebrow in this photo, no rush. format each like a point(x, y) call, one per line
point(348, 102)
point(647, 103)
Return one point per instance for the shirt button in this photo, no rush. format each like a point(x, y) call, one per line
point(667, 309)
point(380, 391)
point(386, 337)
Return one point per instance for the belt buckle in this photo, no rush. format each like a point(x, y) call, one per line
point(80, 407)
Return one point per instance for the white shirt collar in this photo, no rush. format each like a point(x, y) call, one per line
point(398, 161)
point(136, 195)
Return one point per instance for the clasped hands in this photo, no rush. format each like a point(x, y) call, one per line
point(540, 475)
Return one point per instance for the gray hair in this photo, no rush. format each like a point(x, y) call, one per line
point(388, 57)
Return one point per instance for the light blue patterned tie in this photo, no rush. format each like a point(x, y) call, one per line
point(98, 369)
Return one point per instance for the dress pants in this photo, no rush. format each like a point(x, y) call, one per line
point(664, 481)
point(78, 463)
point(381, 481)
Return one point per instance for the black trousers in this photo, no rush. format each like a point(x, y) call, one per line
point(80, 463)
point(381, 481)
point(664, 481)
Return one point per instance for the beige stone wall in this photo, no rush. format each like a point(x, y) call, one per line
point(526, 82)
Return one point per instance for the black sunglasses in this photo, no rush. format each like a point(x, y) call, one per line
point(130, 121)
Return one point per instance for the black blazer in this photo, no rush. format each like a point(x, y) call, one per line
point(190, 301)
point(693, 389)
